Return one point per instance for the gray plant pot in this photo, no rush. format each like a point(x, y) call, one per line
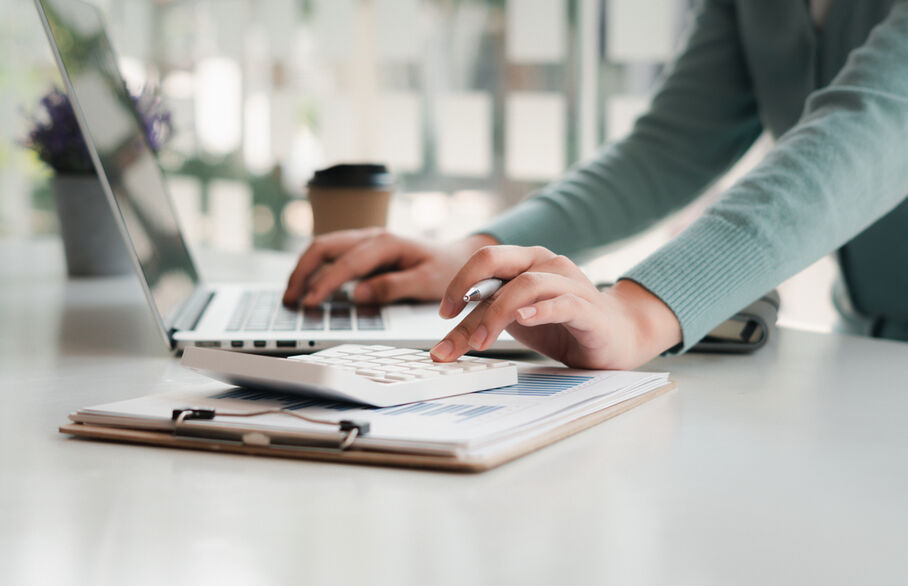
point(91, 240)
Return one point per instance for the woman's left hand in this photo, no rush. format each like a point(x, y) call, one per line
point(550, 305)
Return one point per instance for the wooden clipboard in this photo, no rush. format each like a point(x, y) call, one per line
point(357, 456)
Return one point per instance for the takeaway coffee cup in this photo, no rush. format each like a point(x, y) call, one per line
point(350, 196)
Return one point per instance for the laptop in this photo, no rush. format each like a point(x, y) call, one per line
point(189, 311)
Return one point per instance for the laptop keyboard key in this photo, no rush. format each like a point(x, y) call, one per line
point(313, 318)
point(369, 318)
point(261, 311)
point(285, 320)
point(239, 313)
point(340, 318)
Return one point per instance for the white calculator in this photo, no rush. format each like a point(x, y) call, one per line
point(380, 376)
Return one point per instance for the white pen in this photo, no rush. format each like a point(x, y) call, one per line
point(483, 290)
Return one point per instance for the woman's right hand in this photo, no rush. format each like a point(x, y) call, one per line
point(391, 267)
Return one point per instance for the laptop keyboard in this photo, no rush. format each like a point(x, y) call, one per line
point(262, 311)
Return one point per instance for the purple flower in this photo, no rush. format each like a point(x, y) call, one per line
point(56, 137)
point(156, 119)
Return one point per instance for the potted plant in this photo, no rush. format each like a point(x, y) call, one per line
point(91, 240)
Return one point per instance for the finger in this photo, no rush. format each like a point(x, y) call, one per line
point(388, 287)
point(503, 262)
point(482, 326)
point(525, 289)
point(359, 260)
point(457, 342)
point(570, 310)
point(323, 248)
point(562, 265)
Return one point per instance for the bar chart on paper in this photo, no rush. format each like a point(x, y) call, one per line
point(539, 385)
point(459, 409)
point(528, 385)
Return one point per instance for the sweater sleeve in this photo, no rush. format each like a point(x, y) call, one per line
point(843, 166)
point(702, 119)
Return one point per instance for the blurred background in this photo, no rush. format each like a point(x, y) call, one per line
point(472, 103)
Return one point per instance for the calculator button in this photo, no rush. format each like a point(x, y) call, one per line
point(390, 368)
point(350, 349)
point(331, 352)
point(392, 352)
point(341, 350)
point(401, 368)
point(448, 369)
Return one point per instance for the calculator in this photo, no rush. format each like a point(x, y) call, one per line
point(380, 376)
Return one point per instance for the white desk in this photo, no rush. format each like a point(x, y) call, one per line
point(786, 467)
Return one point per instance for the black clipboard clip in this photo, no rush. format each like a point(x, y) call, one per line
point(349, 428)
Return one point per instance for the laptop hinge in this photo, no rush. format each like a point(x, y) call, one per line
point(192, 312)
point(170, 338)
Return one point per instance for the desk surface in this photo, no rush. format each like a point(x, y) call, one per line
point(783, 467)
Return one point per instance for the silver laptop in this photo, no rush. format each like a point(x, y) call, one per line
point(188, 311)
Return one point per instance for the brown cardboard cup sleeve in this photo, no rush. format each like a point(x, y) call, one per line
point(349, 196)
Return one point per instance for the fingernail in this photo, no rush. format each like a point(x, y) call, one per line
point(447, 307)
point(309, 299)
point(442, 350)
point(362, 293)
point(526, 312)
point(478, 337)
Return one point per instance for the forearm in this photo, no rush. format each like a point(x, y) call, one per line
point(840, 169)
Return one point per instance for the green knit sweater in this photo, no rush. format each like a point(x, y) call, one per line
point(836, 100)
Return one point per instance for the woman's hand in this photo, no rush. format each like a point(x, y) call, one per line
point(408, 269)
point(552, 307)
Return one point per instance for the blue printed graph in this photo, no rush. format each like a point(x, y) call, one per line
point(528, 385)
point(287, 401)
point(464, 412)
point(539, 385)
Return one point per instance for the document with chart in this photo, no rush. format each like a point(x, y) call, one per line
point(485, 427)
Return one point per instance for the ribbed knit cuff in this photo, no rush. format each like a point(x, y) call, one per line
point(706, 275)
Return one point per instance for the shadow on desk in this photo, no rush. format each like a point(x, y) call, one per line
point(116, 323)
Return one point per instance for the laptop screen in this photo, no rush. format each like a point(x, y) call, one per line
point(114, 127)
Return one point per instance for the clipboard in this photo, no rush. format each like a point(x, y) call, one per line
point(354, 454)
